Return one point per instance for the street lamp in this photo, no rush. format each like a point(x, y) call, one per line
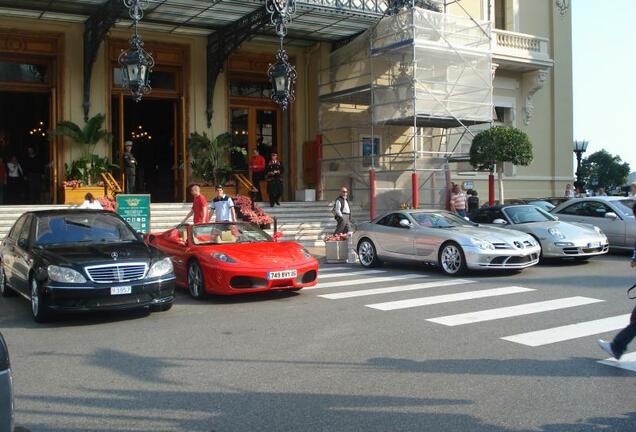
point(282, 74)
point(136, 62)
point(580, 147)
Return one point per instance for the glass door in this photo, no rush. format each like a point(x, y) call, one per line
point(241, 137)
point(266, 132)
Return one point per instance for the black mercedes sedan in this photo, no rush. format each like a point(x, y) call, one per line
point(82, 260)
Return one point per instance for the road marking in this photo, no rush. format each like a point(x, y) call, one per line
point(353, 273)
point(567, 332)
point(365, 281)
point(328, 269)
point(393, 289)
point(627, 361)
point(512, 311)
point(447, 298)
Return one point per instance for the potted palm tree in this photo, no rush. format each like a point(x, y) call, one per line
point(83, 175)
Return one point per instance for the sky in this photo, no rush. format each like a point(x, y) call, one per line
point(604, 69)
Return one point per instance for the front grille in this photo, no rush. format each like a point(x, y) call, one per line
point(115, 273)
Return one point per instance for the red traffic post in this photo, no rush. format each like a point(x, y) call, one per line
point(491, 189)
point(372, 194)
point(415, 191)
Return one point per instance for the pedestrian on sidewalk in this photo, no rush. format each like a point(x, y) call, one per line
point(458, 201)
point(342, 212)
point(618, 346)
point(632, 192)
point(569, 191)
point(199, 207)
point(473, 201)
point(223, 207)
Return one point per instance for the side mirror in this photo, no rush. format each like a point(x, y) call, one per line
point(23, 243)
point(500, 221)
point(405, 223)
point(151, 238)
point(611, 215)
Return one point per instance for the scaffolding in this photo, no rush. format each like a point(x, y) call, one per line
point(405, 97)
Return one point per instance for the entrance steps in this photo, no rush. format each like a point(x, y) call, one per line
point(304, 222)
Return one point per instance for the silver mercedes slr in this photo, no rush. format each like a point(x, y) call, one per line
point(445, 239)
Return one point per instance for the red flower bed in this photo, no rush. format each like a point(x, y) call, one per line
point(251, 212)
point(107, 203)
point(336, 237)
point(74, 184)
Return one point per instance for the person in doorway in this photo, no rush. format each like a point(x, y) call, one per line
point(458, 201)
point(274, 177)
point(130, 166)
point(632, 192)
point(342, 212)
point(569, 191)
point(223, 207)
point(257, 165)
point(15, 176)
point(199, 210)
point(3, 181)
point(472, 201)
point(90, 203)
point(617, 347)
point(33, 172)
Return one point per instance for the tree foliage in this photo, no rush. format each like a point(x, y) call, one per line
point(603, 169)
point(501, 144)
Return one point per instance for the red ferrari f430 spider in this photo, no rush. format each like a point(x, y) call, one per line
point(234, 258)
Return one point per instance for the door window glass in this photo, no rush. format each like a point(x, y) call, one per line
point(596, 209)
point(239, 130)
point(250, 89)
point(266, 131)
point(26, 229)
point(575, 210)
point(17, 228)
point(23, 72)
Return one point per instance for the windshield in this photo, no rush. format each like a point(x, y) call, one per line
point(440, 220)
point(221, 233)
point(527, 214)
point(543, 205)
point(625, 206)
point(82, 228)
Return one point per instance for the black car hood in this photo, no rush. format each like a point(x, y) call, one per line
point(84, 254)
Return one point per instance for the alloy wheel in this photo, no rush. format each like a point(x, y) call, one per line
point(451, 259)
point(195, 280)
point(366, 253)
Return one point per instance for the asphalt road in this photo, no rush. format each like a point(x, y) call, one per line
point(300, 362)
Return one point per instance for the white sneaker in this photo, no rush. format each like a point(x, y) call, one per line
point(607, 347)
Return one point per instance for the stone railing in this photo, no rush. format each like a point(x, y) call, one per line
point(520, 45)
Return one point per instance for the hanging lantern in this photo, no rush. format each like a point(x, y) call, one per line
point(282, 76)
point(136, 62)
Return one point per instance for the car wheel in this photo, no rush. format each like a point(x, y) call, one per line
point(196, 285)
point(38, 309)
point(452, 259)
point(367, 254)
point(5, 291)
point(161, 308)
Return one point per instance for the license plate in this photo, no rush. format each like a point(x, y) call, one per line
point(594, 245)
point(120, 290)
point(285, 274)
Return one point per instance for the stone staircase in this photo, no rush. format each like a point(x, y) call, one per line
point(304, 222)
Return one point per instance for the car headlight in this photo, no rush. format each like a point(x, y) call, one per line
point(306, 253)
point(160, 268)
point(556, 233)
point(64, 274)
point(482, 244)
point(223, 257)
point(532, 241)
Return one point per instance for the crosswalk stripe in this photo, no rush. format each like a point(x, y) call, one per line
point(352, 273)
point(627, 361)
point(568, 332)
point(512, 311)
point(365, 281)
point(447, 298)
point(331, 269)
point(394, 289)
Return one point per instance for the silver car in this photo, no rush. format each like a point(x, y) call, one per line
point(558, 239)
point(445, 239)
point(6, 389)
point(613, 215)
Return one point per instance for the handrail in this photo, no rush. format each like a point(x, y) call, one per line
point(112, 185)
point(244, 181)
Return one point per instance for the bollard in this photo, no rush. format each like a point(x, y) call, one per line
point(275, 225)
point(351, 253)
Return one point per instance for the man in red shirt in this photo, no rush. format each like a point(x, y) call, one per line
point(199, 207)
point(257, 165)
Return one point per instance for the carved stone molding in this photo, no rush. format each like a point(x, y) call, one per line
point(531, 83)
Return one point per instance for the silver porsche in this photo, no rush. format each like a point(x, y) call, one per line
point(445, 239)
point(558, 239)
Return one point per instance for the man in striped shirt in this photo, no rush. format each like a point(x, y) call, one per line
point(458, 201)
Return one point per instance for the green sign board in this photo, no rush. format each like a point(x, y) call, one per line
point(135, 209)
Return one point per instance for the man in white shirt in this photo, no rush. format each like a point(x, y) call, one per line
point(223, 207)
point(342, 212)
